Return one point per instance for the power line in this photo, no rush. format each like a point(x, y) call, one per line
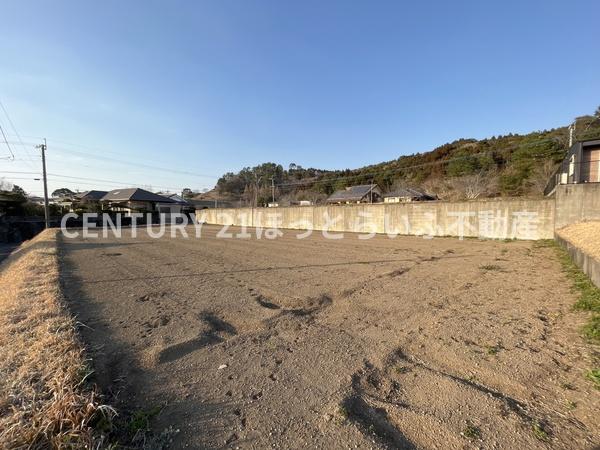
point(136, 164)
point(12, 155)
point(15, 131)
point(109, 182)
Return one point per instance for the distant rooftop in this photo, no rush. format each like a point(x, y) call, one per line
point(408, 193)
point(135, 194)
point(353, 193)
point(91, 195)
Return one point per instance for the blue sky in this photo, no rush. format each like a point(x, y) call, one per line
point(205, 87)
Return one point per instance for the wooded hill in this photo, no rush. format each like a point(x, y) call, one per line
point(511, 165)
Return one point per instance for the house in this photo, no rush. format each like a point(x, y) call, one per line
point(364, 193)
point(88, 200)
point(135, 200)
point(301, 203)
point(90, 196)
point(36, 200)
point(403, 195)
point(178, 205)
point(581, 165)
point(64, 203)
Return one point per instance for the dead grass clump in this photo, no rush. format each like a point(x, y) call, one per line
point(584, 235)
point(43, 400)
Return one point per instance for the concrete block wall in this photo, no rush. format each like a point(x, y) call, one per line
point(587, 263)
point(577, 203)
point(494, 218)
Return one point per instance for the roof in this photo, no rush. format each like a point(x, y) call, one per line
point(352, 193)
point(134, 194)
point(92, 195)
point(177, 199)
point(590, 143)
point(210, 203)
point(408, 192)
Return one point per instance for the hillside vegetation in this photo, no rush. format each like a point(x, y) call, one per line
point(511, 165)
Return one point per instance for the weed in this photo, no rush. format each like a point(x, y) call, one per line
point(471, 432)
point(492, 349)
point(504, 251)
point(571, 405)
point(343, 412)
point(490, 267)
point(539, 432)
point(591, 330)
point(594, 376)
point(567, 386)
point(140, 420)
point(589, 294)
point(544, 243)
point(402, 369)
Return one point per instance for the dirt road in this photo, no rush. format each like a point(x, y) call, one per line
point(381, 343)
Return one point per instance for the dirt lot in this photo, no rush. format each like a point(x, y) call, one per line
point(383, 343)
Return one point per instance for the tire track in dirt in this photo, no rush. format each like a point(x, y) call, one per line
point(388, 402)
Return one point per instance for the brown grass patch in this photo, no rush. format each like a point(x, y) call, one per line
point(584, 235)
point(44, 400)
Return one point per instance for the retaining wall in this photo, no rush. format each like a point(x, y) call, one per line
point(587, 263)
point(577, 203)
point(493, 218)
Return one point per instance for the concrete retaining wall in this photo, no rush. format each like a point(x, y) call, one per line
point(588, 264)
point(577, 203)
point(494, 218)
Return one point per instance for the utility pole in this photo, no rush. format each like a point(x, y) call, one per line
point(46, 206)
point(273, 188)
point(571, 131)
point(256, 192)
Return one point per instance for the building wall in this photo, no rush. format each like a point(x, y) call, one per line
point(495, 219)
point(577, 203)
point(169, 208)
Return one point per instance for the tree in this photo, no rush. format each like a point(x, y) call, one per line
point(19, 190)
point(63, 192)
point(470, 187)
point(5, 185)
point(540, 176)
point(463, 164)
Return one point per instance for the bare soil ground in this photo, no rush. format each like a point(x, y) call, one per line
point(381, 343)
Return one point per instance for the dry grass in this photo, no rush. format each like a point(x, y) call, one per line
point(44, 402)
point(584, 235)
